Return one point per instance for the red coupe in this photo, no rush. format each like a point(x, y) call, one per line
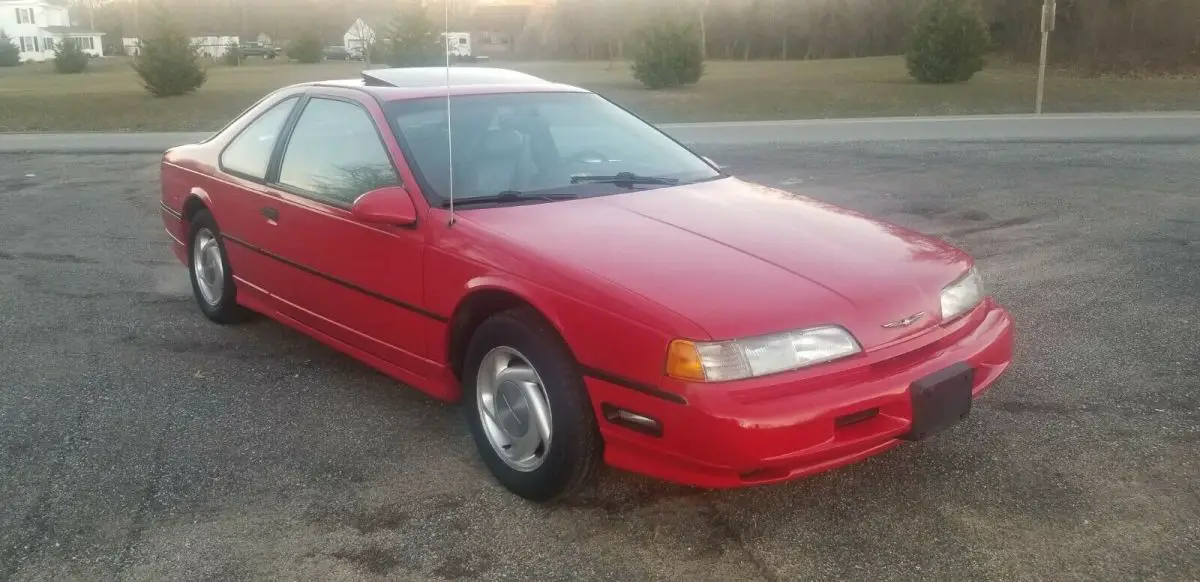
point(591, 289)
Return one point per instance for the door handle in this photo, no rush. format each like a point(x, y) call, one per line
point(270, 214)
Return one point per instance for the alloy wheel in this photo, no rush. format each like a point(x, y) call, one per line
point(513, 409)
point(209, 270)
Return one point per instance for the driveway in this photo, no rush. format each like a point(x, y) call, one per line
point(140, 442)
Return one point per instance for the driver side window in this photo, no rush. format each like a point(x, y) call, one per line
point(335, 154)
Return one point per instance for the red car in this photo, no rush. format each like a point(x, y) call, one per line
point(589, 288)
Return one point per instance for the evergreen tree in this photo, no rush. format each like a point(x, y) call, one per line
point(667, 53)
point(410, 40)
point(948, 43)
point(307, 48)
point(233, 54)
point(10, 55)
point(69, 57)
point(168, 64)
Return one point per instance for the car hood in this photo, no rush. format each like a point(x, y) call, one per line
point(739, 259)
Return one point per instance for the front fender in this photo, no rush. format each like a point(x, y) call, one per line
point(541, 299)
point(603, 343)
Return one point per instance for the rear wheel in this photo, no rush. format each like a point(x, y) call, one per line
point(208, 265)
point(527, 407)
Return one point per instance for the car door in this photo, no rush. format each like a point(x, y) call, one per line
point(358, 283)
point(241, 193)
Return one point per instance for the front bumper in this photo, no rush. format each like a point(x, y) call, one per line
point(790, 425)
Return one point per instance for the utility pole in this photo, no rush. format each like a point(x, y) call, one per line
point(1048, 10)
point(241, 31)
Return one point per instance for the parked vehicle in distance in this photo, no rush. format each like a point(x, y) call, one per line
point(258, 49)
point(588, 288)
point(336, 53)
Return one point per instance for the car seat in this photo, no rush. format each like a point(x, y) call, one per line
point(500, 160)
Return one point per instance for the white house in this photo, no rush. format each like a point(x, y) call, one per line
point(36, 26)
point(458, 44)
point(213, 46)
point(359, 36)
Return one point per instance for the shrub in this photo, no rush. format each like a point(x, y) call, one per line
point(69, 57)
point(233, 54)
point(410, 40)
point(10, 55)
point(949, 42)
point(667, 53)
point(168, 63)
point(308, 47)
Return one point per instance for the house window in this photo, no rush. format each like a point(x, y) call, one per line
point(48, 43)
point(29, 44)
point(25, 16)
point(85, 42)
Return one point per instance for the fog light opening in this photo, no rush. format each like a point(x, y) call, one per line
point(855, 418)
point(632, 420)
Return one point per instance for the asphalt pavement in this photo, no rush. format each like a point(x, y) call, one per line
point(140, 442)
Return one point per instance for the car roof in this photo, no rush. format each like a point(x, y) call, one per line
point(417, 82)
point(436, 76)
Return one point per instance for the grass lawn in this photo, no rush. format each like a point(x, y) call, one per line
point(108, 97)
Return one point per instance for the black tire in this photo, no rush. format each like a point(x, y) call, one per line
point(226, 310)
point(575, 450)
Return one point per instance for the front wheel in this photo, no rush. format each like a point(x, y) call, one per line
point(212, 279)
point(527, 407)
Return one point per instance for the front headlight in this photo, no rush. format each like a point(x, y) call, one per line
point(962, 295)
point(758, 356)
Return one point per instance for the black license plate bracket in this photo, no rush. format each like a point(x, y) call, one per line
point(940, 400)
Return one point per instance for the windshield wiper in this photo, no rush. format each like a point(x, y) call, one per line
point(625, 178)
point(507, 196)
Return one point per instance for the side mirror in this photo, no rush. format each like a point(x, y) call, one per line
point(388, 205)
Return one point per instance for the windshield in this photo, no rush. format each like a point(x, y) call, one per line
point(538, 143)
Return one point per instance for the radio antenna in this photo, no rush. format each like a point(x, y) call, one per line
point(449, 130)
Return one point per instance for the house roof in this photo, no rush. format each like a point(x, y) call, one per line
point(376, 23)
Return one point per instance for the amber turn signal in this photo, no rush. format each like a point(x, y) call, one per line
point(683, 361)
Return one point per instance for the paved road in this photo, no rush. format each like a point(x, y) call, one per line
point(1046, 128)
point(139, 442)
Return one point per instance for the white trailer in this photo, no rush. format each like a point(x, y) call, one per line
point(458, 44)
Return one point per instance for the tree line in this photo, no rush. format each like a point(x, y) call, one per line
point(1096, 36)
